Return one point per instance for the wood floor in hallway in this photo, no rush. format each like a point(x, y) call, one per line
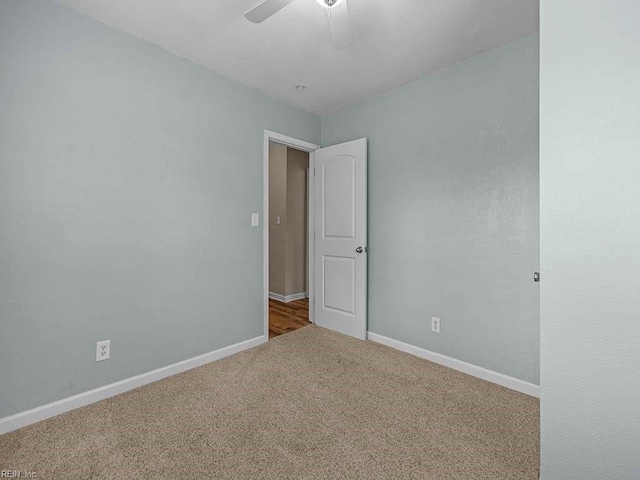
point(287, 317)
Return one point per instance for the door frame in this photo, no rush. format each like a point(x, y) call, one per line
point(305, 147)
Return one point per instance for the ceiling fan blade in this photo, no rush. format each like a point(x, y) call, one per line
point(267, 8)
point(340, 25)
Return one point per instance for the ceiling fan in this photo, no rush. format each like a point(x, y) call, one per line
point(336, 9)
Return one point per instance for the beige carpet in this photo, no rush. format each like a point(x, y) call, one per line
point(311, 404)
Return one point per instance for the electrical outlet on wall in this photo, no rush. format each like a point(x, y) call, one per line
point(435, 324)
point(103, 350)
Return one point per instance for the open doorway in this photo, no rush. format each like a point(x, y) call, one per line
point(288, 224)
point(288, 239)
point(336, 278)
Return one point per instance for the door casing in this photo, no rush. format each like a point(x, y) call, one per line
point(305, 147)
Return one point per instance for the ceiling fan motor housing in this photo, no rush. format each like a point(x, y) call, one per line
point(338, 18)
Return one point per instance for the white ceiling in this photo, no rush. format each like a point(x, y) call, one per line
point(395, 41)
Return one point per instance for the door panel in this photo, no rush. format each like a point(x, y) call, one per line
point(341, 227)
point(339, 205)
point(339, 283)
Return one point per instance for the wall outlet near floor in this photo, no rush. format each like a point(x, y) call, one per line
point(103, 350)
point(255, 220)
point(435, 324)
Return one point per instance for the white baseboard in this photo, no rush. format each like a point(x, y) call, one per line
point(288, 298)
point(22, 419)
point(468, 368)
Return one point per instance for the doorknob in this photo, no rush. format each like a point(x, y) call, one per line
point(361, 249)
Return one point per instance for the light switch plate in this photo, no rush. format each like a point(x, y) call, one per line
point(255, 220)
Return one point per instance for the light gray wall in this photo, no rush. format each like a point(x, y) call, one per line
point(118, 161)
point(453, 208)
point(590, 232)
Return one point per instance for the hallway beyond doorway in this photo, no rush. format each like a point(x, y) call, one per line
point(287, 317)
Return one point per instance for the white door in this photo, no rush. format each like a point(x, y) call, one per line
point(340, 259)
